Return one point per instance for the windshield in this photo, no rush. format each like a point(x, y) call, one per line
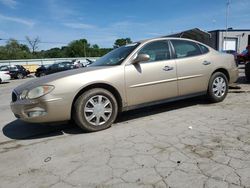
point(116, 56)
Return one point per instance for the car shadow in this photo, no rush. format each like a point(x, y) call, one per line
point(4, 83)
point(160, 108)
point(20, 130)
point(242, 80)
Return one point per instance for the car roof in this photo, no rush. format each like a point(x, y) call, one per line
point(167, 38)
point(170, 38)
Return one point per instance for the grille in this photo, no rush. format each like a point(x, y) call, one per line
point(14, 97)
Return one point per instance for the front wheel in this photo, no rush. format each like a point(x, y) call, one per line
point(42, 74)
point(217, 87)
point(95, 110)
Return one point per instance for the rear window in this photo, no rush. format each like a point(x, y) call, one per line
point(185, 48)
point(4, 68)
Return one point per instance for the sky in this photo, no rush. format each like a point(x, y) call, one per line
point(58, 22)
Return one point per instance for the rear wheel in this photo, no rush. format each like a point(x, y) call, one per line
point(19, 76)
point(218, 87)
point(0, 80)
point(95, 110)
point(247, 71)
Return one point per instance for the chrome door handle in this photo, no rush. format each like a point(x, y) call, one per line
point(206, 63)
point(168, 68)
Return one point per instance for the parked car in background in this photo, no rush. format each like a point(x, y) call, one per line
point(40, 71)
point(89, 62)
point(244, 58)
point(56, 67)
point(132, 76)
point(4, 76)
point(233, 52)
point(16, 71)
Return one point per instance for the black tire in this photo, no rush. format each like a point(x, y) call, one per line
point(212, 95)
point(79, 114)
point(0, 80)
point(19, 76)
point(247, 71)
point(42, 74)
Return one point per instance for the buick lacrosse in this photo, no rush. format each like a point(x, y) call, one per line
point(135, 75)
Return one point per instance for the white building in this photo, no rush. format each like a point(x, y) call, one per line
point(231, 39)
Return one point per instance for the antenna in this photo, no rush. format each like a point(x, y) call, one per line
point(227, 12)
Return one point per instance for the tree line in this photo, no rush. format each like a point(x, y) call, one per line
point(77, 48)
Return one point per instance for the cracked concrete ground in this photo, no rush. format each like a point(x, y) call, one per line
point(189, 143)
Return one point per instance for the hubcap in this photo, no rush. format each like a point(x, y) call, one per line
point(19, 76)
point(219, 86)
point(98, 110)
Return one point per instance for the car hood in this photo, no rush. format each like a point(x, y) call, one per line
point(52, 77)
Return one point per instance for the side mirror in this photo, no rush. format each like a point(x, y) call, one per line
point(141, 58)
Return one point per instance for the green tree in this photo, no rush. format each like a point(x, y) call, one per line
point(121, 42)
point(95, 46)
point(53, 53)
point(78, 48)
point(14, 50)
point(3, 53)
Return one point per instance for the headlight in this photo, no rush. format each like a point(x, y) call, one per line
point(36, 92)
point(24, 94)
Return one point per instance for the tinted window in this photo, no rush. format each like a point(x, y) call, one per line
point(4, 68)
point(54, 66)
point(158, 50)
point(13, 69)
point(64, 64)
point(185, 48)
point(203, 48)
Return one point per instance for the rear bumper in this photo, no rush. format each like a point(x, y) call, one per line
point(234, 74)
point(5, 78)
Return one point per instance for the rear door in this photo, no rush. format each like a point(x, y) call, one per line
point(192, 67)
point(153, 80)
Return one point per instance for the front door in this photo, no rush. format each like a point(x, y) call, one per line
point(153, 80)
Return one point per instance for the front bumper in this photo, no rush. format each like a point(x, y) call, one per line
point(41, 110)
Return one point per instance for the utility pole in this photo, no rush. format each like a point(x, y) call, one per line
point(227, 12)
point(84, 49)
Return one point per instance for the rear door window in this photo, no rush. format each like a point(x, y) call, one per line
point(185, 48)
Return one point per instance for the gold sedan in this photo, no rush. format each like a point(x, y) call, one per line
point(132, 76)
